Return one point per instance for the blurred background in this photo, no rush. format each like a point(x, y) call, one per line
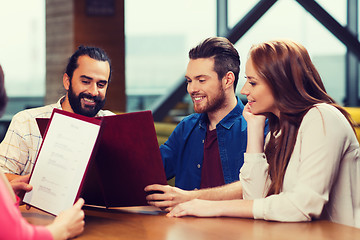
point(149, 41)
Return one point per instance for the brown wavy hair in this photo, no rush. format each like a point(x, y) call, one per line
point(296, 86)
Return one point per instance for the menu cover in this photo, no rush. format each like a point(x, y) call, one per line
point(127, 159)
point(64, 156)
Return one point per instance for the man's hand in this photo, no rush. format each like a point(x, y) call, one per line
point(20, 185)
point(167, 197)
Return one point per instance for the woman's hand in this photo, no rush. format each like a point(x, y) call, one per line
point(20, 185)
point(253, 119)
point(209, 208)
point(255, 129)
point(196, 207)
point(69, 223)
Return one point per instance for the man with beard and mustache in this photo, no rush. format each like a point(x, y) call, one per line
point(85, 80)
point(207, 148)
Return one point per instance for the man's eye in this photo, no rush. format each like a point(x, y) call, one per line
point(101, 85)
point(252, 83)
point(85, 82)
point(201, 80)
point(188, 81)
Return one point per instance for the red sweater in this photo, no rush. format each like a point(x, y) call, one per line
point(13, 225)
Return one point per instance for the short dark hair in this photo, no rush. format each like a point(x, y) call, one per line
point(226, 57)
point(93, 52)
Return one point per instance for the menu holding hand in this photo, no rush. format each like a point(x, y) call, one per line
point(62, 161)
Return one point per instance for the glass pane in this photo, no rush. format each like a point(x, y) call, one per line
point(22, 47)
point(337, 9)
point(238, 9)
point(287, 19)
point(158, 36)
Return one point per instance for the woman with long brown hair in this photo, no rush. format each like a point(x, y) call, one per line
point(308, 167)
point(313, 164)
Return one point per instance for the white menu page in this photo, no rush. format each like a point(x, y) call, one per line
point(61, 163)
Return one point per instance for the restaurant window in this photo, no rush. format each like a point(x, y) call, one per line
point(160, 33)
point(158, 37)
point(22, 55)
point(22, 47)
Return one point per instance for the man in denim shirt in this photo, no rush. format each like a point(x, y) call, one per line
point(207, 148)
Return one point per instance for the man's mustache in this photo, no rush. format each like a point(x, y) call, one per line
point(95, 98)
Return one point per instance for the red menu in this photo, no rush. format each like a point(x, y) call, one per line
point(126, 158)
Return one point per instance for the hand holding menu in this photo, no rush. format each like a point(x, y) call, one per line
point(126, 159)
point(62, 161)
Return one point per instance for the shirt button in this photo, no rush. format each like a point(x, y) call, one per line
point(203, 141)
point(198, 166)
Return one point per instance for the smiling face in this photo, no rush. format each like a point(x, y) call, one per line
point(87, 88)
point(259, 95)
point(203, 85)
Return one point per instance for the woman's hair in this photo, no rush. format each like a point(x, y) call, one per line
point(3, 96)
point(296, 86)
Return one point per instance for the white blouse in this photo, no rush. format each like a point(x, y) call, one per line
point(322, 179)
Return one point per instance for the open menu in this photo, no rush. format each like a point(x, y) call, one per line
point(125, 158)
point(62, 161)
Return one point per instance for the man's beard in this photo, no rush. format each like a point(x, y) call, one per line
point(75, 103)
point(213, 104)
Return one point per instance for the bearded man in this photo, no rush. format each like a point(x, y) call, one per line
point(86, 81)
point(207, 148)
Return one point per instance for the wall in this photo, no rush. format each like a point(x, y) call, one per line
point(72, 23)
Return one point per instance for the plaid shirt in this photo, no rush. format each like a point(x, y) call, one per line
point(22, 141)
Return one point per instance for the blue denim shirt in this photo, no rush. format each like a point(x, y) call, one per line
point(183, 152)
